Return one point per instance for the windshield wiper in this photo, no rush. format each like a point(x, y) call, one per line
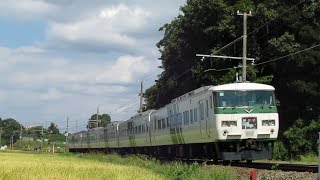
point(268, 106)
point(233, 107)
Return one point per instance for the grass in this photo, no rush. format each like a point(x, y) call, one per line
point(100, 166)
point(31, 145)
point(309, 158)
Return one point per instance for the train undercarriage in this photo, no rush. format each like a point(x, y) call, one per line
point(249, 149)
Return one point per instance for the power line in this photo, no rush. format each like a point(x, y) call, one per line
point(271, 60)
point(276, 59)
point(256, 29)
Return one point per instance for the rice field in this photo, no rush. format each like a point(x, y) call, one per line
point(20, 165)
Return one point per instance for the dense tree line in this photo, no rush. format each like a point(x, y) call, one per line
point(276, 29)
point(279, 35)
point(11, 128)
point(103, 121)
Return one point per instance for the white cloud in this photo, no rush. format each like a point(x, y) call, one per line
point(106, 30)
point(52, 94)
point(125, 70)
point(26, 9)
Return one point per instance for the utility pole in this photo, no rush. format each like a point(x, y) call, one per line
point(141, 96)
point(67, 132)
point(20, 136)
point(97, 123)
point(12, 141)
point(244, 52)
point(76, 125)
point(42, 137)
point(1, 131)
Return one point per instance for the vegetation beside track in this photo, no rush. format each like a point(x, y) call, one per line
point(17, 165)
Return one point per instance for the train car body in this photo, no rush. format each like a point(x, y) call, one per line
point(237, 121)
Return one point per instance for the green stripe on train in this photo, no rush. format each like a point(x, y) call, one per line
point(249, 110)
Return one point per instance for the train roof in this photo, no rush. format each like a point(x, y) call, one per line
point(191, 93)
point(242, 86)
point(145, 113)
point(225, 87)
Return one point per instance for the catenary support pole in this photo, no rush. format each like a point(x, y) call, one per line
point(244, 52)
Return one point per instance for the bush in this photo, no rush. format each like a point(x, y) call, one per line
point(302, 138)
point(279, 151)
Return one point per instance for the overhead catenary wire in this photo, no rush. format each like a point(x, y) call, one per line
point(271, 60)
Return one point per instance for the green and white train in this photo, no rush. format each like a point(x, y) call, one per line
point(237, 121)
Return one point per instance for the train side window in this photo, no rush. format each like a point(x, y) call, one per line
point(195, 113)
point(159, 124)
point(168, 123)
point(155, 124)
point(163, 124)
point(191, 116)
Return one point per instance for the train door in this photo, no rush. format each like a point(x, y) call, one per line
point(202, 122)
point(204, 117)
point(148, 129)
point(207, 117)
point(153, 128)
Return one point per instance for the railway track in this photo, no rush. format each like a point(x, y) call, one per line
point(279, 166)
point(313, 168)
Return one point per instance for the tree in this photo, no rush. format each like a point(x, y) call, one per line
point(278, 28)
point(103, 121)
point(53, 128)
point(36, 132)
point(10, 127)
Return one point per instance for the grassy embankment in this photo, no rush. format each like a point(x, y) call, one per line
point(17, 165)
point(35, 145)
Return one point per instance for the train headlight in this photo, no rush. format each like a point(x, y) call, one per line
point(268, 122)
point(228, 123)
point(272, 131)
point(225, 132)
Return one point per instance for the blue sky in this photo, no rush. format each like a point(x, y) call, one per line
point(14, 34)
point(65, 58)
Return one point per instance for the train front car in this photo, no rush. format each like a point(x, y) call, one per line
point(246, 121)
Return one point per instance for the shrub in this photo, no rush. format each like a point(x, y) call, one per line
point(279, 151)
point(302, 138)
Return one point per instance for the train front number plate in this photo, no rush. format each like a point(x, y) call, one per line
point(249, 123)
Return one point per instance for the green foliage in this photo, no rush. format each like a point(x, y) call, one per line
point(309, 158)
point(279, 151)
point(103, 120)
point(175, 170)
point(53, 129)
point(302, 137)
point(9, 127)
point(35, 132)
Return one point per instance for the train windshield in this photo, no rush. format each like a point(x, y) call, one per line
point(244, 98)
